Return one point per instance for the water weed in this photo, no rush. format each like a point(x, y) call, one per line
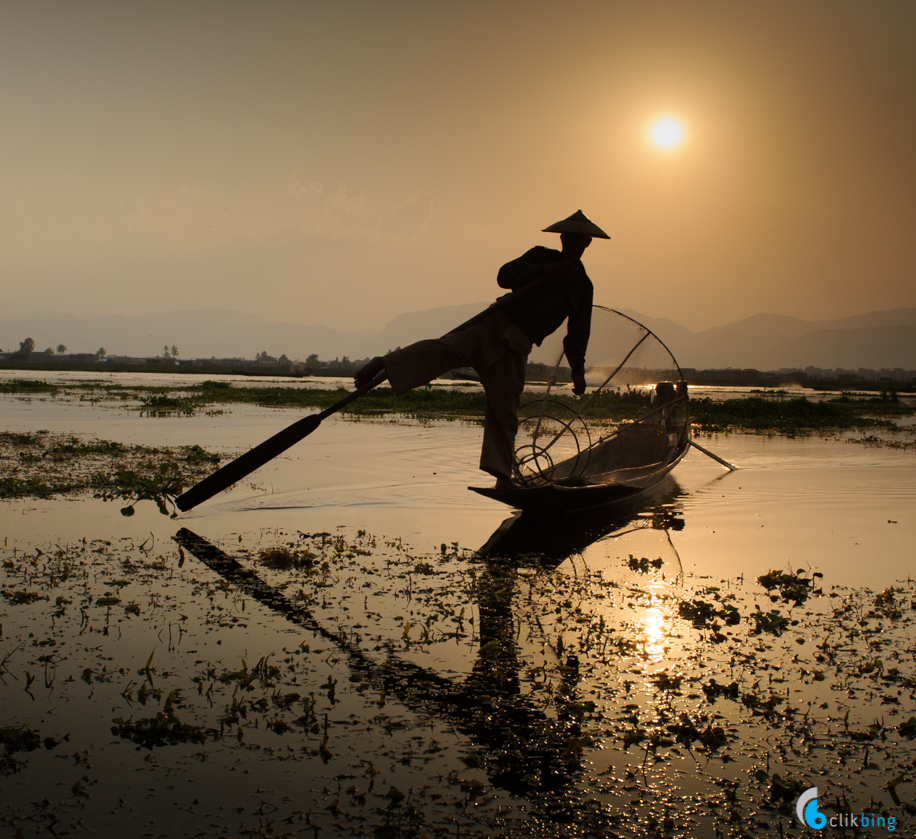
point(65, 464)
point(344, 683)
point(755, 413)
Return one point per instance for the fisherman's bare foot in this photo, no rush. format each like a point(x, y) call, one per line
point(503, 482)
point(369, 372)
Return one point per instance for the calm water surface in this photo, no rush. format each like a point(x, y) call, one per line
point(835, 506)
point(350, 747)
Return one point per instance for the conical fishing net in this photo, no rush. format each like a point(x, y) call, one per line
point(630, 429)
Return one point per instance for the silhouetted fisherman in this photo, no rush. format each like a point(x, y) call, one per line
point(548, 286)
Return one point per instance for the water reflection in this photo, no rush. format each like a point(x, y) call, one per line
point(520, 705)
point(561, 711)
point(656, 629)
point(565, 535)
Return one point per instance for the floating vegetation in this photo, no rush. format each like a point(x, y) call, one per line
point(28, 386)
point(706, 614)
point(795, 416)
point(769, 414)
point(342, 684)
point(285, 558)
point(164, 405)
point(161, 730)
point(42, 464)
point(794, 587)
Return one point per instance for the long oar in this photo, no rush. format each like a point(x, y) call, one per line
point(269, 449)
point(715, 457)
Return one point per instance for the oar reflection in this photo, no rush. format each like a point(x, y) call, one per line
point(523, 749)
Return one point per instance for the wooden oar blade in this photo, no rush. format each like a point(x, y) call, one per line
point(245, 464)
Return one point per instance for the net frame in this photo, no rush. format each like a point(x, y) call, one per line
point(596, 441)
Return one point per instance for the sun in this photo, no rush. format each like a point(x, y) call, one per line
point(666, 133)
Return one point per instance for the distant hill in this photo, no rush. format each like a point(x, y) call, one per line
point(872, 347)
point(415, 326)
point(770, 341)
point(224, 333)
point(882, 339)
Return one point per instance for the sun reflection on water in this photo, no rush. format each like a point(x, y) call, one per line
point(655, 627)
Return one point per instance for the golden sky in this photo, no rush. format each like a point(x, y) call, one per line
point(343, 162)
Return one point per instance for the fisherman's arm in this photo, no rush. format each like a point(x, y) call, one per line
point(578, 330)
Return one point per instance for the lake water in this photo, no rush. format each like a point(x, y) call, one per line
point(404, 686)
point(842, 508)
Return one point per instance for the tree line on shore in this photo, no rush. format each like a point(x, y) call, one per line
point(27, 350)
point(315, 366)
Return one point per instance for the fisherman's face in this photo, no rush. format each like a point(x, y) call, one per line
point(574, 244)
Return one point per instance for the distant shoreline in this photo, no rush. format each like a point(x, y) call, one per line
point(767, 410)
point(903, 381)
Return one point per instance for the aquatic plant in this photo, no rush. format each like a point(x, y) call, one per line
point(756, 413)
point(65, 464)
point(390, 689)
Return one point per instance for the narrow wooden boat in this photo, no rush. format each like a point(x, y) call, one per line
point(611, 487)
point(629, 434)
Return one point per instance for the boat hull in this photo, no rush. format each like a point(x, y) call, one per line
point(559, 498)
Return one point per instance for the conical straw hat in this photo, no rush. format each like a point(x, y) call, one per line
point(578, 222)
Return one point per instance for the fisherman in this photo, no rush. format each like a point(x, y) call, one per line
point(547, 287)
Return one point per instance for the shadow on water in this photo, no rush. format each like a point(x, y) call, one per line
point(525, 747)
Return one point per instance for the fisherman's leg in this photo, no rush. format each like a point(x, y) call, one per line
point(424, 361)
point(419, 364)
point(503, 382)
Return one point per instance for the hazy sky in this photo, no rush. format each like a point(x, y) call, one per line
point(343, 162)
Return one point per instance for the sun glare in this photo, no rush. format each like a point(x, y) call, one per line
point(666, 133)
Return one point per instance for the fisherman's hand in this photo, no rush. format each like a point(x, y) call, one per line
point(578, 384)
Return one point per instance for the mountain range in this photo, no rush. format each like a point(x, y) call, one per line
point(880, 339)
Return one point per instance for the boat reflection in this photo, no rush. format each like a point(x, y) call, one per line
point(547, 739)
point(563, 535)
